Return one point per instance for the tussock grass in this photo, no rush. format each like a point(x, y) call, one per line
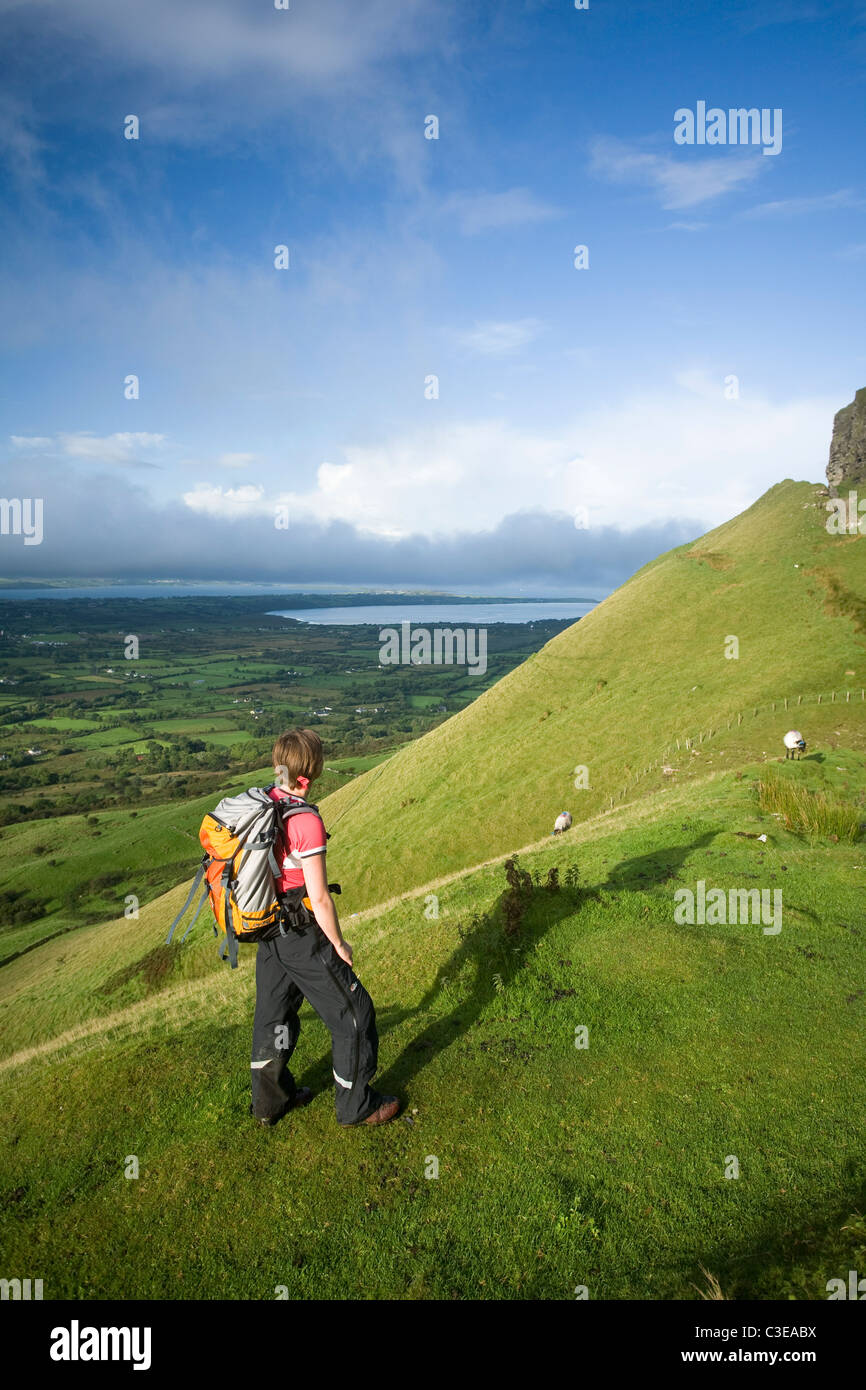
point(817, 813)
point(712, 1292)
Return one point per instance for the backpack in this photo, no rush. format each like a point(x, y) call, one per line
point(239, 868)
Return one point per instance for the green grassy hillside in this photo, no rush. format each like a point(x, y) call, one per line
point(558, 1166)
point(614, 692)
point(708, 1135)
point(58, 871)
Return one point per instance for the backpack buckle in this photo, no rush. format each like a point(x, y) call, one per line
point(290, 914)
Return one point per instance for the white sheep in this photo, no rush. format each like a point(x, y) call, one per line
point(794, 743)
point(562, 822)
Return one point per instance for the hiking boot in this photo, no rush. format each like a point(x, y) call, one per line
point(388, 1108)
point(303, 1096)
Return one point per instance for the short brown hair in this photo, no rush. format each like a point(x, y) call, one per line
point(300, 753)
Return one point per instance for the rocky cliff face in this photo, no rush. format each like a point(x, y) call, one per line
point(847, 466)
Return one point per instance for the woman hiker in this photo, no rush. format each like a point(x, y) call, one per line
point(311, 962)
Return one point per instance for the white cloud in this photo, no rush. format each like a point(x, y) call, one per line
point(698, 382)
point(680, 181)
point(212, 500)
point(232, 74)
point(855, 252)
point(20, 147)
point(212, 39)
point(111, 448)
point(494, 339)
point(691, 452)
point(763, 16)
point(530, 547)
point(672, 455)
point(235, 460)
point(795, 207)
point(333, 476)
point(481, 212)
point(119, 448)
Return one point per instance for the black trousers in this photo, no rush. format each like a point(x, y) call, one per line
point(304, 965)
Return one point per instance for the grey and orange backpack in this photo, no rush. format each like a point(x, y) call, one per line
point(239, 870)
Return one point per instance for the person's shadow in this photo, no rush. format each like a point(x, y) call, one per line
point(649, 870)
point(494, 945)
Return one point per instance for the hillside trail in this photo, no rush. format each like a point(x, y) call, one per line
point(185, 993)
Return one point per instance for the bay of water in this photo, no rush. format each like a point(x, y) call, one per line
point(453, 614)
point(387, 614)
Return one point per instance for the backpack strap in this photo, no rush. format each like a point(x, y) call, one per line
point(229, 947)
point(299, 810)
point(228, 950)
point(192, 892)
point(197, 913)
point(267, 844)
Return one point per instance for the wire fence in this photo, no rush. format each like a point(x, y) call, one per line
point(685, 744)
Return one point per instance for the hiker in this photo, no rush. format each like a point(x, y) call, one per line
point(310, 962)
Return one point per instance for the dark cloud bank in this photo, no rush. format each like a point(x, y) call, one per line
point(106, 527)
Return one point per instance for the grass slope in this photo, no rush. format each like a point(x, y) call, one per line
point(613, 692)
point(558, 1166)
point(73, 865)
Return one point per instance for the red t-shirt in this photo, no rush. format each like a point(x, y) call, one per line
point(301, 836)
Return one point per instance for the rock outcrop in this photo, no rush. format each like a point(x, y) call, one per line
point(847, 466)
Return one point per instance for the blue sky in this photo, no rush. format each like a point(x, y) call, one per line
point(594, 396)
